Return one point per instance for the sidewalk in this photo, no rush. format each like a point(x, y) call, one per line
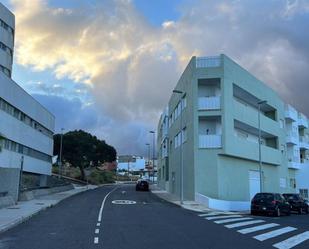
point(24, 210)
point(190, 205)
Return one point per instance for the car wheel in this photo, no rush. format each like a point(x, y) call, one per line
point(288, 213)
point(252, 212)
point(277, 212)
point(307, 210)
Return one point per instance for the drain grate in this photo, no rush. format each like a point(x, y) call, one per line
point(13, 208)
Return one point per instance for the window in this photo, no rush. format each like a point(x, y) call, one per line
point(292, 183)
point(184, 102)
point(184, 134)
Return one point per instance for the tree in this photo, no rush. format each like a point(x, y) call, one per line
point(80, 148)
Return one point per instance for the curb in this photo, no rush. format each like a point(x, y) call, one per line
point(22, 219)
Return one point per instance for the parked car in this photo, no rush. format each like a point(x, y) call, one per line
point(142, 185)
point(297, 203)
point(270, 203)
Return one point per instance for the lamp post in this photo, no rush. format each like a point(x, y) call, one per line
point(153, 153)
point(148, 145)
point(181, 140)
point(260, 153)
point(60, 153)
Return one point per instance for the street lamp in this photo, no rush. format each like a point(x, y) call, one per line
point(260, 153)
point(60, 153)
point(148, 145)
point(181, 154)
point(153, 153)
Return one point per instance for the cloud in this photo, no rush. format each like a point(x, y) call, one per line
point(130, 66)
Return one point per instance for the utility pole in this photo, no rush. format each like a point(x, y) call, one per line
point(60, 153)
point(181, 142)
point(153, 153)
point(20, 185)
point(148, 158)
point(260, 152)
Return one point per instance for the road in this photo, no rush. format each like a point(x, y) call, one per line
point(149, 223)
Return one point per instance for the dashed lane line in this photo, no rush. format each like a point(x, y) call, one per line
point(293, 241)
point(97, 231)
point(246, 223)
point(98, 224)
point(257, 228)
point(275, 233)
point(232, 220)
point(96, 240)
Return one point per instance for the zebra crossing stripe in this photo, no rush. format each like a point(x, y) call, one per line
point(257, 228)
point(223, 217)
point(232, 220)
point(214, 213)
point(246, 223)
point(269, 235)
point(292, 241)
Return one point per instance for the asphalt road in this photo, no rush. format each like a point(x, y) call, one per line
point(149, 223)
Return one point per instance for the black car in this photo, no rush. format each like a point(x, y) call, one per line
point(142, 185)
point(297, 203)
point(270, 203)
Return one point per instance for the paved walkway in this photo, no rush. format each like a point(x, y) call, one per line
point(190, 205)
point(14, 215)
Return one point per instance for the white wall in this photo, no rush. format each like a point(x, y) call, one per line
point(19, 98)
point(9, 159)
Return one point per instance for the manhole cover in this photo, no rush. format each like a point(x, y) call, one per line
point(123, 202)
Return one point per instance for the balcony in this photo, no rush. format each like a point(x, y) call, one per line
point(209, 103)
point(294, 165)
point(302, 120)
point(209, 61)
point(290, 113)
point(303, 142)
point(292, 138)
point(210, 141)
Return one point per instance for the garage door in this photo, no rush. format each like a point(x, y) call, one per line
point(254, 182)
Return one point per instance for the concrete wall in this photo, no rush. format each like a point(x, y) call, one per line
point(9, 179)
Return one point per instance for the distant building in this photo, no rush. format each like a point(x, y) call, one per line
point(27, 127)
point(218, 102)
point(131, 163)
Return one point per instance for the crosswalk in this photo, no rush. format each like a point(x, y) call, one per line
point(249, 225)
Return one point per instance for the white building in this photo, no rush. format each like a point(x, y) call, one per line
point(131, 163)
point(27, 127)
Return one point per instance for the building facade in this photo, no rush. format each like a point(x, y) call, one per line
point(27, 127)
point(214, 122)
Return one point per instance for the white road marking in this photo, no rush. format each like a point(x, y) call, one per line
point(223, 217)
point(103, 203)
point(96, 240)
point(246, 223)
point(293, 241)
point(257, 228)
point(98, 224)
point(214, 213)
point(97, 231)
point(232, 220)
point(274, 233)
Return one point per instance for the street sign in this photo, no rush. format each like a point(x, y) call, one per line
point(123, 202)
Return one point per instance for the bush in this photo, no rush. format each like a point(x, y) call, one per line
point(101, 177)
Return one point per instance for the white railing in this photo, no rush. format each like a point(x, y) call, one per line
point(294, 165)
point(210, 141)
point(209, 61)
point(209, 103)
point(290, 113)
point(291, 137)
point(302, 120)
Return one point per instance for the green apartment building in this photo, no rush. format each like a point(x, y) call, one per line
point(213, 119)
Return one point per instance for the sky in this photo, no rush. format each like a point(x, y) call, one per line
point(109, 66)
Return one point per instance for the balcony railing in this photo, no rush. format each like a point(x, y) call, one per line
point(291, 113)
point(210, 141)
point(291, 138)
point(303, 142)
point(209, 103)
point(302, 120)
point(294, 165)
point(209, 61)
